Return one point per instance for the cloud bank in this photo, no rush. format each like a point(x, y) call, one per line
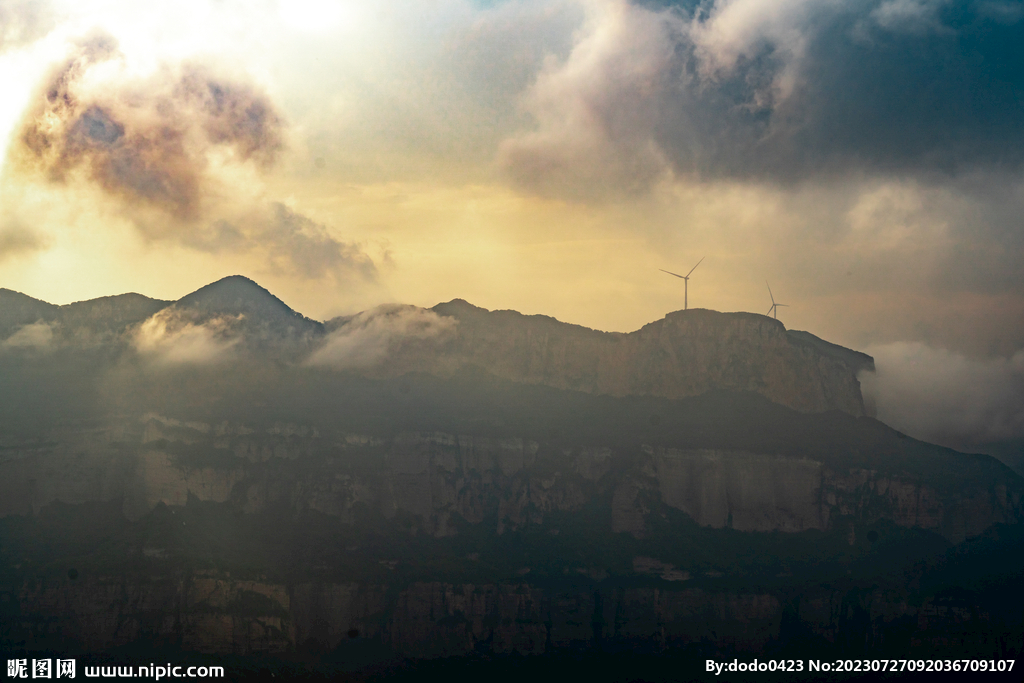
point(596, 113)
point(171, 337)
point(775, 92)
point(23, 21)
point(147, 142)
point(288, 242)
point(369, 338)
point(37, 336)
point(946, 398)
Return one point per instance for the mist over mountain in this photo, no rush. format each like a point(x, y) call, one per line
point(220, 475)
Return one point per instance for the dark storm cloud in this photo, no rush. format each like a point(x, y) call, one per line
point(23, 21)
point(778, 91)
point(897, 86)
point(147, 143)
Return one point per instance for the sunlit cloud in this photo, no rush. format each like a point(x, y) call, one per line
point(171, 337)
point(34, 336)
point(319, 16)
point(368, 339)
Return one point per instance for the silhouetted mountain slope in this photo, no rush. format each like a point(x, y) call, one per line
point(17, 309)
point(238, 295)
point(686, 353)
point(108, 315)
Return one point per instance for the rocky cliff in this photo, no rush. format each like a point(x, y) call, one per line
point(512, 482)
point(687, 353)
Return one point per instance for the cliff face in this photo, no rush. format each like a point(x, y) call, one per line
point(218, 614)
point(443, 478)
point(449, 494)
point(687, 353)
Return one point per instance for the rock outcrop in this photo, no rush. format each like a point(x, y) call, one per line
point(687, 353)
point(439, 478)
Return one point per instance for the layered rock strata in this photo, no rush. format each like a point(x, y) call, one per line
point(439, 478)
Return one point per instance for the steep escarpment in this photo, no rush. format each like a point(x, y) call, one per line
point(283, 537)
point(445, 481)
point(687, 353)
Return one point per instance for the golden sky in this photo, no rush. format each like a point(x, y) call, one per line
point(544, 156)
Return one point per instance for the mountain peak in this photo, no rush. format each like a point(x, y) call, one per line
point(234, 294)
point(238, 295)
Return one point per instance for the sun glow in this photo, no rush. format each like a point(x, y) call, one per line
point(315, 16)
point(20, 72)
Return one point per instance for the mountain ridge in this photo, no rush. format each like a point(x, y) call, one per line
point(685, 353)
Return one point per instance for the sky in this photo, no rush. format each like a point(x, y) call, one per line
point(864, 157)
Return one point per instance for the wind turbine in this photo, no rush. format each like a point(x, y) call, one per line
point(686, 281)
point(774, 310)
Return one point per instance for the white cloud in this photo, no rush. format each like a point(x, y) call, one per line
point(370, 337)
point(734, 29)
point(910, 16)
point(171, 338)
point(944, 397)
point(596, 112)
point(38, 336)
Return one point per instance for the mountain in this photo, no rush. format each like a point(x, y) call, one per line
point(239, 296)
point(105, 318)
point(18, 310)
point(687, 353)
point(407, 484)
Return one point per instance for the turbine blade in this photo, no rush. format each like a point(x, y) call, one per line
point(770, 291)
point(782, 304)
point(770, 310)
point(671, 273)
point(695, 267)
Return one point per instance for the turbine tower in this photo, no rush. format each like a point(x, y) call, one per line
point(686, 282)
point(774, 310)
